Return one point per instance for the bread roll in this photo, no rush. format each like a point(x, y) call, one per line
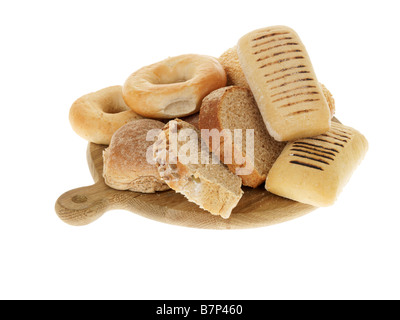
point(233, 108)
point(235, 76)
point(125, 161)
point(201, 178)
point(314, 170)
point(234, 73)
point(281, 77)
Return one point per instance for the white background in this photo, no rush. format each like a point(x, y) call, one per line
point(53, 52)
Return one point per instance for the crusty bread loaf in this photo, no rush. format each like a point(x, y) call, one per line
point(125, 165)
point(233, 108)
point(314, 170)
point(235, 76)
point(208, 183)
point(281, 77)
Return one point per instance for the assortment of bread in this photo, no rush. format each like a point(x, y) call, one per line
point(208, 128)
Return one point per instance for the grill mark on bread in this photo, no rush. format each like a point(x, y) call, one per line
point(295, 113)
point(317, 152)
point(290, 82)
point(338, 130)
point(340, 134)
point(333, 137)
point(268, 35)
point(307, 147)
point(297, 102)
point(333, 130)
point(327, 141)
point(276, 46)
point(277, 54)
point(296, 94)
point(337, 127)
point(294, 89)
point(284, 69)
point(287, 75)
point(313, 153)
point(269, 41)
point(306, 165)
point(308, 157)
point(315, 145)
point(280, 61)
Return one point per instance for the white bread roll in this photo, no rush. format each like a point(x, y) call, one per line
point(235, 76)
point(314, 170)
point(281, 77)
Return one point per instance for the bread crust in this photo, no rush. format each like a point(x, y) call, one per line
point(193, 119)
point(125, 163)
point(211, 114)
point(173, 87)
point(234, 73)
point(210, 119)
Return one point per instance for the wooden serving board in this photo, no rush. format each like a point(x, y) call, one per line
point(257, 207)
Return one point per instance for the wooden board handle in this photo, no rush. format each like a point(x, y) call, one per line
point(83, 205)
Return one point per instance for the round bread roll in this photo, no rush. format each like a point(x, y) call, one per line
point(232, 110)
point(97, 115)
point(174, 87)
point(235, 76)
point(128, 162)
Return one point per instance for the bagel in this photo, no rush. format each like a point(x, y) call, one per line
point(173, 87)
point(97, 115)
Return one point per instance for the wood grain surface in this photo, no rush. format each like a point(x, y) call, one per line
point(257, 207)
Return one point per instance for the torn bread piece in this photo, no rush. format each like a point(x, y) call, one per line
point(186, 165)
